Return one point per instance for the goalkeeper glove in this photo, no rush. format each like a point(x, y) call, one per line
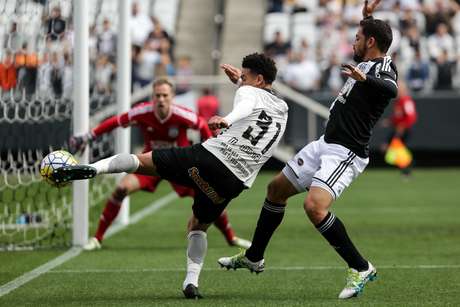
point(77, 143)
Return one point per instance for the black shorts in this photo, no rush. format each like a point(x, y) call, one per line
point(214, 184)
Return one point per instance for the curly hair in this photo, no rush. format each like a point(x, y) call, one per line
point(261, 64)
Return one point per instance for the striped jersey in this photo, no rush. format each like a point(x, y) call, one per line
point(359, 105)
point(249, 142)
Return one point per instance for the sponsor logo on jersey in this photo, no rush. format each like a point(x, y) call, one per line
point(204, 186)
point(173, 132)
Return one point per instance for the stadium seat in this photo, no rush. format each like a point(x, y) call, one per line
point(276, 22)
point(391, 17)
point(166, 12)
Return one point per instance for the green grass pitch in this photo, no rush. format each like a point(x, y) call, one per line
point(409, 230)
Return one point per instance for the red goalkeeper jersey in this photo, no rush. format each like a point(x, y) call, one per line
point(158, 133)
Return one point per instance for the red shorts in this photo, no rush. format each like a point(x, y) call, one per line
point(150, 183)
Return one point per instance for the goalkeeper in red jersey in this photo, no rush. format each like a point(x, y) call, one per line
point(163, 124)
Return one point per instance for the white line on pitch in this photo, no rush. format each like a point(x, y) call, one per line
point(293, 268)
point(75, 251)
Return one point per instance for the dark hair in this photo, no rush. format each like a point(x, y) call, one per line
point(379, 30)
point(262, 65)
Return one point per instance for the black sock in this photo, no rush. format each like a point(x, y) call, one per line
point(270, 217)
point(334, 231)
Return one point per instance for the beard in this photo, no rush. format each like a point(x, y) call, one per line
point(358, 55)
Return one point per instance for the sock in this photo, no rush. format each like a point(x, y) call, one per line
point(196, 251)
point(270, 218)
point(117, 164)
point(112, 207)
point(334, 231)
point(225, 227)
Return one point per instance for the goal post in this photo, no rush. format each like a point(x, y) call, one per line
point(123, 136)
point(81, 119)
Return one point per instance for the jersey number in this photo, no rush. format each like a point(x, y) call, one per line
point(264, 122)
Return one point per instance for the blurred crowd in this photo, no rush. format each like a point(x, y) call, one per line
point(41, 63)
point(426, 42)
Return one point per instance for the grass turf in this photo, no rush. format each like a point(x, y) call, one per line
point(398, 225)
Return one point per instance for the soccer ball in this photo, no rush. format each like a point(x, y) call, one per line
point(55, 160)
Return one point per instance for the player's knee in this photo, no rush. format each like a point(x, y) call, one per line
point(274, 193)
point(314, 208)
point(120, 193)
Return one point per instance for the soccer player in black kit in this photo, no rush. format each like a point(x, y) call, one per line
point(328, 165)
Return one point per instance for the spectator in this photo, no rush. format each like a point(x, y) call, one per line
point(278, 47)
point(67, 77)
point(436, 13)
point(275, 6)
point(207, 104)
point(302, 74)
point(26, 65)
point(158, 33)
point(135, 54)
point(15, 39)
point(184, 72)
point(56, 75)
point(107, 41)
point(445, 71)
point(8, 77)
point(441, 41)
point(56, 24)
point(141, 25)
point(93, 44)
point(418, 73)
point(104, 74)
point(147, 60)
point(44, 76)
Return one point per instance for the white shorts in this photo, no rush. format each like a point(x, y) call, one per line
point(329, 166)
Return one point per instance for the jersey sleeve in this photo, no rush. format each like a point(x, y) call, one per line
point(243, 104)
point(384, 79)
point(108, 125)
point(123, 120)
point(205, 132)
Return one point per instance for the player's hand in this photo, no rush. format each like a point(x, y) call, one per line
point(217, 122)
point(353, 72)
point(369, 8)
point(232, 72)
point(78, 143)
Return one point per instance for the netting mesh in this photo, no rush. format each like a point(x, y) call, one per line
point(36, 118)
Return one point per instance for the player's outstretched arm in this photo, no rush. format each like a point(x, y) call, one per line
point(369, 8)
point(385, 83)
point(232, 72)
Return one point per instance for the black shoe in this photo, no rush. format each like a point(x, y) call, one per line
point(192, 292)
point(73, 172)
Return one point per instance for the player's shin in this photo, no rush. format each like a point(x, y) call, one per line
point(334, 232)
point(270, 218)
point(117, 164)
point(196, 251)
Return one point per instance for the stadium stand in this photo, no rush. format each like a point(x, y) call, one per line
point(423, 30)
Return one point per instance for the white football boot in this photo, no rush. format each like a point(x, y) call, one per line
point(93, 244)
point(240, 261)
point(356, 281)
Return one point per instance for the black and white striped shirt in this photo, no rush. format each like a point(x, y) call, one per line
point(359, 105)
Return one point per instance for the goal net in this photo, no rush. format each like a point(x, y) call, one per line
point(36, 118)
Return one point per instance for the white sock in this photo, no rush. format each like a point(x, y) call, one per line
point(117, 164)
point(196, 251)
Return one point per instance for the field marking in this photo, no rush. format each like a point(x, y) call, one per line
point(75, 251)
point(293, 268)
